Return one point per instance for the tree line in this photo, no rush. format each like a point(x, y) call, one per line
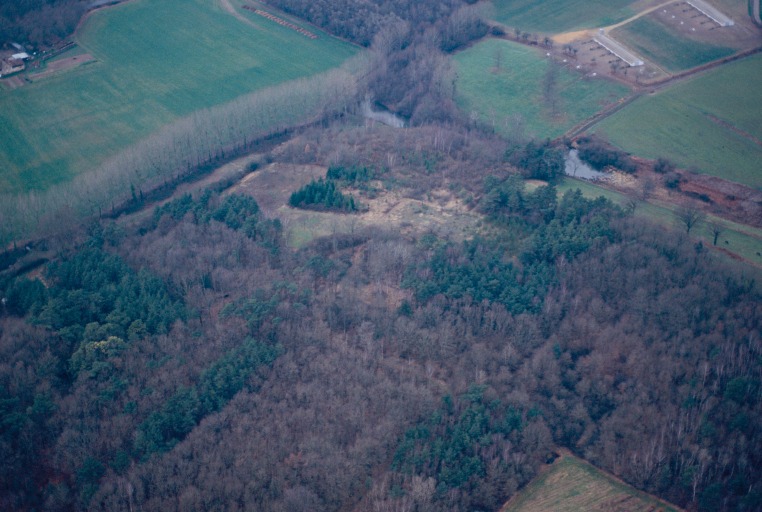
point(177, 151)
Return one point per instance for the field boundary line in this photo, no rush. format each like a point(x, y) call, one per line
point(280, 21)
point(652, 88)
point(588, 123)
point(732, 128)
point(638, 15)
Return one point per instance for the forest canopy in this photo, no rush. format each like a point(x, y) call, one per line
point(41, 23)
point(188, 355)
point(198, 336)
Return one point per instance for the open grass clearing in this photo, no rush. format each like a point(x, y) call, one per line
point(712, 123)
point(663, 46)
point(571, 485)
point(554, 16)
point(154, 66)
point(440, 212)
point(513, 95)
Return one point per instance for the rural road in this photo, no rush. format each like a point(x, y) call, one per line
point(568, 37)
point(640, 14)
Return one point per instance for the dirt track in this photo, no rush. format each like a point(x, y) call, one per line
point(62, 65)
point(568, 37)
point(228, 7)
point(681, 77)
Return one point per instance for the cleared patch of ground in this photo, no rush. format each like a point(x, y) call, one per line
point(440, 212)
point(61, 65)
point(12, 82)
point(571, 485)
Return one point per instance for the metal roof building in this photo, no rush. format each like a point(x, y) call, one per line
point(712, 13)
point(617, 49)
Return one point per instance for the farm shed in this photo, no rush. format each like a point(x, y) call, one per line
point(10, 66)
point(711, 13)
point(617, 49)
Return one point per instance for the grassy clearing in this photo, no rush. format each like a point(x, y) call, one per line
point(155, 65)
point(712, 123)
point(741, 240)
point(446, 218)
point(572, 484)
point(664, 47)
point(440, 212)
point(516, 89)
point(554, 16)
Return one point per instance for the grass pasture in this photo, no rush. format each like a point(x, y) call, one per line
point(667, 49)
point(555, 16)
point(571, 485)
point(157, 62)
point(516, 89)
point(712, 122)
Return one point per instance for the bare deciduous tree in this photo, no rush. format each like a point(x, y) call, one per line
point(689, 216)
point(550, 88)
point(716, 229)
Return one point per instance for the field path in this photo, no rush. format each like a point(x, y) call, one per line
point(653, 88)
point(640, 14)
point(228, 7)
point(568, 37)
point(735, 129)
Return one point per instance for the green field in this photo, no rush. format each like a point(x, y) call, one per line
point(555, 16)
point(572, 484)
point(662, 46)
point(712, 123)
point(516, 89)
point(157, 61)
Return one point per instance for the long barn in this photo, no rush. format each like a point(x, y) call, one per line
point(617, 49)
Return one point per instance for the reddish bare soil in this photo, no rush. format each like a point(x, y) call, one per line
point(12, 82)
point(62, 65)
point(730, 200)
point(714, 195)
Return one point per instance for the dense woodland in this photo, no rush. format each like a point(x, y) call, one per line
point(195, 362)
point(189, 359)
point(410, 73)
point(40, 23)
point(360, 21)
